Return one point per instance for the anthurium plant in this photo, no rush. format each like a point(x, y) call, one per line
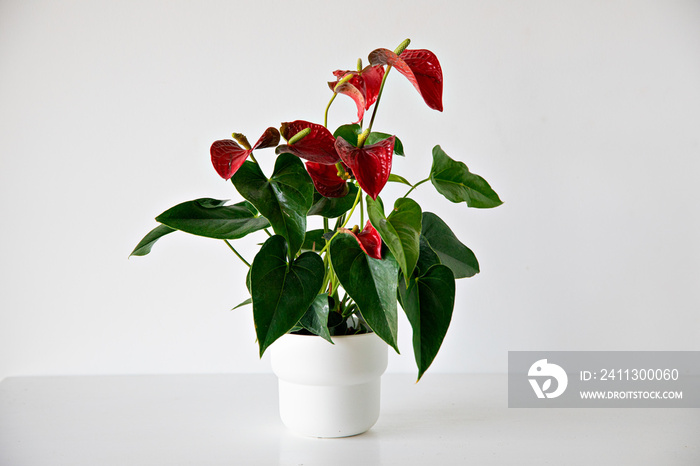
point(343, 278)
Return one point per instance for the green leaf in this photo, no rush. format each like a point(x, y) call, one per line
point(426, 259)
point(212, 219)
point(332, 207)
point(244, 303)
point(313, 241)
point(400, 231)
point(453, 180)
point(376, 137)
point(284, 199)
point(451, 251)
point(428, 302)
point(349, 133)
point(282, 292)
point(399, 179)
point(371, 283)
point(315, 320)
point(145, 245)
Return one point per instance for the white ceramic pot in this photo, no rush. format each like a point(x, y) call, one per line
point(329, 390)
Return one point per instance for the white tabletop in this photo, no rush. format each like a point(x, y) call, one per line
point(232, 420)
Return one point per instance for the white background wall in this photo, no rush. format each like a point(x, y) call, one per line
point(584, 116)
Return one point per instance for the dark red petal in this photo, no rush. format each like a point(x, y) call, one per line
point(371, 164)
point(422, 69)
point(372, 76)
point(428, 72)
point(355, 94)
point(227, 157)
point(326, 180)
point(318, 146)
point(370, 241)
point(270, 138)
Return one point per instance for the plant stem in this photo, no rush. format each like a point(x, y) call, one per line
point(236, 253)
point(362, 213)
point(379, 96)
point(357, 200)
point(325, 115)
point(415, 186)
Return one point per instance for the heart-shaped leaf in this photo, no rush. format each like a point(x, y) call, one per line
point(351, 132)
point(284, 199)
point(282, 292)
point(370, 164)
point(333, 207)
point(459, 258)
point(145, 245)
point(315, 320)
point(314, 240)
point(348, 132)
point(453, 180)
point(374, 137)
point(428, 302)
point(400, 231)
point(371, 283)
point(426, 259)
point(212, 219)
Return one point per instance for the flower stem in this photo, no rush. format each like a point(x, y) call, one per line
point(236, 253)
point(328, 107)
point(379, 96)
point(357, 200)
point(362, 213)
point(415, 186)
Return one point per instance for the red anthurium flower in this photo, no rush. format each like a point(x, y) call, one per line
point(369, 239)
point(422, 69)
point(371, 164)
point(227, 156)
point(363, 87)
point(318, 146)
point(326, 180)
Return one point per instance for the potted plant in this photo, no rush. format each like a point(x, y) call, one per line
point(325, 299)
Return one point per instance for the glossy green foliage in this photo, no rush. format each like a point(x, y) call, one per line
point(453, 180)
point(351, 133)
point(213, 219)
point(145, 245)
point(400, 231)
point(284, 199)
point(315, 320)
point(371, 283)
point(333, 207)
point(459, 258)
point(428, 301)
point(282, 291)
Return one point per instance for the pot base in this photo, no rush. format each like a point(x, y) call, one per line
point(314, 410)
